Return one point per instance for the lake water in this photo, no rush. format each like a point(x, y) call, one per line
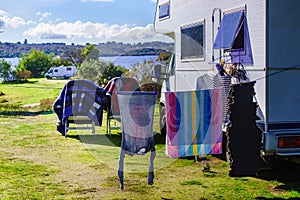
point(128, 61)
point(124, 61)
point(13, 61)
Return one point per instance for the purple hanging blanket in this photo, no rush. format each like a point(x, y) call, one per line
point(137, 113)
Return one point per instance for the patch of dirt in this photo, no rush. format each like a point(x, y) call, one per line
point(30, 105)
point(84, 178)
point(279, 189)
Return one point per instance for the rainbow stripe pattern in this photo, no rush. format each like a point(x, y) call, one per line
point(194, 122)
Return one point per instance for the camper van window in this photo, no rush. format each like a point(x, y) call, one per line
point(56, 70)
point(238, 43)
point(192, 41)
point(164, 10)
point(69, 69)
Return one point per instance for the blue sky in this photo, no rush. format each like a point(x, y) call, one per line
point(78, 21)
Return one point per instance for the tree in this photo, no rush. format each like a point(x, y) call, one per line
point(37, 62)
point(165, 57)
point(142, 72)
point(90, 70)
point(5, 69)
point(111, 71)
point(90, 53)
point(99, 71)
point(72, 56)
point(58, 61)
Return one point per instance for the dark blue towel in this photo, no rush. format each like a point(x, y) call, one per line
point(80, 98)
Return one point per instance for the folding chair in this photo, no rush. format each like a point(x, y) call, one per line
point(80, 103)
point(113, 110)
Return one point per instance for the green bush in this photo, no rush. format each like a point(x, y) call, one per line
point(5, 68)
point(37, 62)
point(22, 74)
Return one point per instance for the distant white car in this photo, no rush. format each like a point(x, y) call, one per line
point(61, 72)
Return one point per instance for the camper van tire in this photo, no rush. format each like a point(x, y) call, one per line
point(162, 120)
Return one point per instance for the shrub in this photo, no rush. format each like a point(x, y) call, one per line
point(5, 68)
point(22, 74)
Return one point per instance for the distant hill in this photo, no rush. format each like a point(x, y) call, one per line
point(118, 49)
point(10, 50)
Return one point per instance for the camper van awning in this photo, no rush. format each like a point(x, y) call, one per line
point(228, 30)
point(233, 36)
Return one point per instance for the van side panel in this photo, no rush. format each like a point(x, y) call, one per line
point(283, 61)
point(274, 31)
point(185, 12)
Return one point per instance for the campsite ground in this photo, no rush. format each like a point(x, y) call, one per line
point(36, 162)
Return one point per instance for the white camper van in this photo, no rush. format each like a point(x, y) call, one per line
point(64, 72)
point(260, 37)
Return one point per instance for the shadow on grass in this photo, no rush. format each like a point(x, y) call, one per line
point(159, 138)
point(19, 82)
point(106, 139)
point(24, 113)
point(282, 171)
point(285, 172)
point(110, 140)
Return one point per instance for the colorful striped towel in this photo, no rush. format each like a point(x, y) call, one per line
point(194, 122)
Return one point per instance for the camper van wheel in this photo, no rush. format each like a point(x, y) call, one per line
point(162, 120)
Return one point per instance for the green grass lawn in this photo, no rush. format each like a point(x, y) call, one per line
point(37, 162)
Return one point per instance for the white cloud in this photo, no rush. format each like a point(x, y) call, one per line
point(93, 32)
point(13, 21)
point(42, 15)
